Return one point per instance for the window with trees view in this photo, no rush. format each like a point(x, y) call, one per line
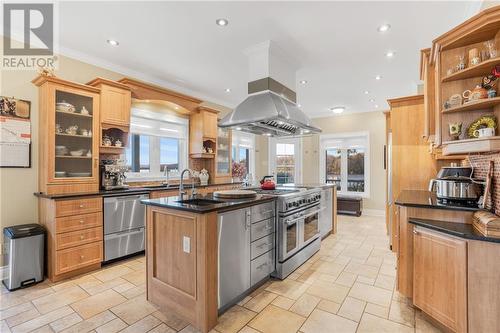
point(345, 162)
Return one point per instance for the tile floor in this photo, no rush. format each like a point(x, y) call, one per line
point(348, 286)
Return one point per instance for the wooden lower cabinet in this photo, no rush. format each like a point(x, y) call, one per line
point(74, 235)
point(440, 277)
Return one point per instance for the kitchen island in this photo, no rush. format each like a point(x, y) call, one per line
point(182, 254)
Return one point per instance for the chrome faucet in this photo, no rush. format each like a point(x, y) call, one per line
point(165, 174)
point(181, 185)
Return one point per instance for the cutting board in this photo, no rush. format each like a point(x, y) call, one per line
point(235, 194)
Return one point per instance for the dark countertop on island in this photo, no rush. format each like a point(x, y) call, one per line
point(127, 191)
point(462, 230)
point(425, 199)
point(222, 205)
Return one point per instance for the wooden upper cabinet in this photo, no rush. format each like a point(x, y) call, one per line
point(68, 134)
point(440, 277)
point(203, 133)
point(115, 102)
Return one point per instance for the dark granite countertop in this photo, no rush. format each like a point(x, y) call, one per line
point(127, 191)
point(222, 205)
point(425, 199)
point(462, 230)
point(320, 185)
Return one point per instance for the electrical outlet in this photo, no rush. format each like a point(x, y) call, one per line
point(186, 244)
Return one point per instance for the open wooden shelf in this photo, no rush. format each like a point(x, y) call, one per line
point(111, 150)
point(482, 69)
point(202, 155)
point(69, 156)
point(473, 106)
point(74, 135)
point(478, 145)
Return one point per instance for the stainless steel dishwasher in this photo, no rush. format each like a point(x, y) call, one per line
point(124, 226)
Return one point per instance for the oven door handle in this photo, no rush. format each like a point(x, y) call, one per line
point(290, 222)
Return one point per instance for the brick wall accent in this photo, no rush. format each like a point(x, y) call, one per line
point(480, 162)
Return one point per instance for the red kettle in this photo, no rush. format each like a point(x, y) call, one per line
point(267, 183)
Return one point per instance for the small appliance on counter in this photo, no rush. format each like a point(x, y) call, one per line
point(267, 183)
point(112, 175)
point(454, 186)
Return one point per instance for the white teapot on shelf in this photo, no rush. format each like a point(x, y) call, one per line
point(204, 176)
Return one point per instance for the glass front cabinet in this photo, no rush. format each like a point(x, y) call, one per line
point(223, 158)
point(69, 136)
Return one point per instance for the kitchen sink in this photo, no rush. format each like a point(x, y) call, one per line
point(200, 202)
point(166, 186)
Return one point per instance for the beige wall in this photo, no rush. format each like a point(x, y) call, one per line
point(18, 205)
point(372, 122)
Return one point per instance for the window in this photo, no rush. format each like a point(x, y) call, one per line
point(285, 160)
point(243, 152)
point(345, 162)
point(157, 141)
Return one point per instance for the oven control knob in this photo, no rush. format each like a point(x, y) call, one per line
point(295, 204)
point(289, 205)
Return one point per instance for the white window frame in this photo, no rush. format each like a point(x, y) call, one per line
point(297, 153)
point(323, 139)
point(155, 173)
point(243, 140)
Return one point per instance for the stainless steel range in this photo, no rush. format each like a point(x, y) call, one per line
point(298, 236)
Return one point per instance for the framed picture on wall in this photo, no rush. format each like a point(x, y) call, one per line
point(15, 133)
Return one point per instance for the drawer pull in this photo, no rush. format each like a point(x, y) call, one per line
point(81, 206)
point(81, 221)
point(262, 265)
point(82, 237)
point(82, 257)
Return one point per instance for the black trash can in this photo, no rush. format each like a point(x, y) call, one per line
point(24, 255)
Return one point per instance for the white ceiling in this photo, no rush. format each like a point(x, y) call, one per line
point(178, 45)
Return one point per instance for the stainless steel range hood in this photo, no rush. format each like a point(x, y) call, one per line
point(270, 109)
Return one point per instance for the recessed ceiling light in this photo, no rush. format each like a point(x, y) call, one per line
point(222, 22)
point(303, 81)
point(366, 92)
point(376, 106)
point(338, 109)
point(390, 54)
point(299, 105)
point(371, 100)
point(267, 134)
point(228, 90)
point(238, 128)
point(384, 27)
point(113, 42)
point(378, 77)
point(305, 131)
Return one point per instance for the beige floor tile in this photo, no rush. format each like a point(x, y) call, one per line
point(373, 324)
point(335, 292)
point(95, 304)
point(136, 277)
point(134, 292)
point(97, 286)
point(362, 269)
point(115, 325)
point(91, 323)
point(15, 310)
point(261, 288)
point(43, 329)
point(134, 309)
point(42, 320)
point(374, 261)
point(283, 302)
point(305, 305)
point(371, 294)
point(248, 329)
point(385, 281)
point(346, 279)
point(59, 299)
point(352, 309)
point(113, 273)
point(10, 299)
point(288, 288)
point(276, 320)
point(190, 329)
point(65, 322)
point(259, 302)
point(4, 328)
point(234, 319)
point(124, 287)
point(377, 310)
point(323, 322)
point(328, 306)
point(171, 320)
point(402, 313)
point(162, 328)
point(388, 269)
point(22, 317)
point(143, 325)
point(34, 292)
point(244, 300)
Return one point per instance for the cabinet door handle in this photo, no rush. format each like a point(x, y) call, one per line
point(81, 206)
point(82, 237)
point(81, 221)
point(82, 257)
